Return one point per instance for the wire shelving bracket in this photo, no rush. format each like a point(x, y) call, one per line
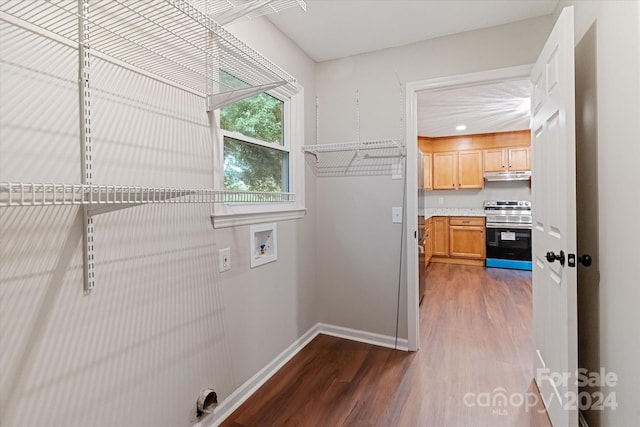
point(170, 39)
point(354, 158)
point(174, 40)
point(99, 199)
point(366, 158)
point(228, 11)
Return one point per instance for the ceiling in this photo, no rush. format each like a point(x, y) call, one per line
point(496, 107)
point(331, 29)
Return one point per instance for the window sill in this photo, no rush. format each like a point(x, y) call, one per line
point(249, 218)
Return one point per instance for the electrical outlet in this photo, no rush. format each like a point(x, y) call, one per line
point(224, 259)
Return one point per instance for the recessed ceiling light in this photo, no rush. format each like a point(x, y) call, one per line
point(461, 127)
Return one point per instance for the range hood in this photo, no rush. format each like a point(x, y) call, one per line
point(507, 176)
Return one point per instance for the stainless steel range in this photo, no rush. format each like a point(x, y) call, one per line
point(508, 233)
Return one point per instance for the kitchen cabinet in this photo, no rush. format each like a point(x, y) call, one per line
point(467, 238)
point(444, 171)
point(507, 159)
point(427, 181)
point(428, 241)
point(457, 170)
point(457, 240)
point(495, 160)
point(518, 159)
point(440, 243)
point(470, 173)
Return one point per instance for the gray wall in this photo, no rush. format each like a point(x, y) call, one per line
point(608, 108)
point(469, 198)
point(270, 306)
point(162, 323)
point(358, 246)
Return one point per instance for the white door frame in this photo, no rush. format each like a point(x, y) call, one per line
point(411, 138)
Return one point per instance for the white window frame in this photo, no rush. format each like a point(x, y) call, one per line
point(236, 214)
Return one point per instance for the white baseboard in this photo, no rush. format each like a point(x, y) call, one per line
point(363, 336)
point(242, 393)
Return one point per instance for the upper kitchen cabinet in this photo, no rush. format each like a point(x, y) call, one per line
point(444, 171)
point(507, 159)
point(470, 174)
point(459, 162)
point(427, 161)
point(457, 170)
point(508, 152)
point(518, 159)
point(495, 160)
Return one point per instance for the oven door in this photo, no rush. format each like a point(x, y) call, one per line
point(506, 242)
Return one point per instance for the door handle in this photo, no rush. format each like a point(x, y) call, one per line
point(585, 260)
point(551, 257)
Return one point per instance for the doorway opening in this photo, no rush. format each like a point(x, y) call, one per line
point(488, 311)
point(435, 88)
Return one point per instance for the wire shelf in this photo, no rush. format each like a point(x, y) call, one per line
point(172, 39)
point(97, 197)
point(227, 11)
point(362, 158)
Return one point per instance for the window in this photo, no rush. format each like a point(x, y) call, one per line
point(256, 157)
point(258, 150)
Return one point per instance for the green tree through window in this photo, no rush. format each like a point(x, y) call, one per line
point(252, 163)
point(258, 117)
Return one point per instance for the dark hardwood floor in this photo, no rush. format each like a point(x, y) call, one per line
point(475, 346)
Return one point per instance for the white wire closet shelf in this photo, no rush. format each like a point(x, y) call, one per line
point(105, 198)
point(362, 158)
point(227, 11)
point(171, 39)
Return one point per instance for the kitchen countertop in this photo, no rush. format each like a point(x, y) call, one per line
point(429, 212)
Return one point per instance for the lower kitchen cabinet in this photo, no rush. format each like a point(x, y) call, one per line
point(440, 236)
point(467, 237)
point(428, 241)
point(459, 240)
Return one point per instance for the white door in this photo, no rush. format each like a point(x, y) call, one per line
point(554, 223)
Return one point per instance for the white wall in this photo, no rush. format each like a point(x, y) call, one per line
point(611, 63)
point(270, 306)
point(358, 246)
point(162, 323)
point(468, 198)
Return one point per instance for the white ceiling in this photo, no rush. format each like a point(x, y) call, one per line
point(497, 107)
point(331, 29)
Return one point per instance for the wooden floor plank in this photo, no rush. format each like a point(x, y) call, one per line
point(476, 338)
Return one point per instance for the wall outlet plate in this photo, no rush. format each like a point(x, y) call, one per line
point(224, 259)
point(396, 214)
